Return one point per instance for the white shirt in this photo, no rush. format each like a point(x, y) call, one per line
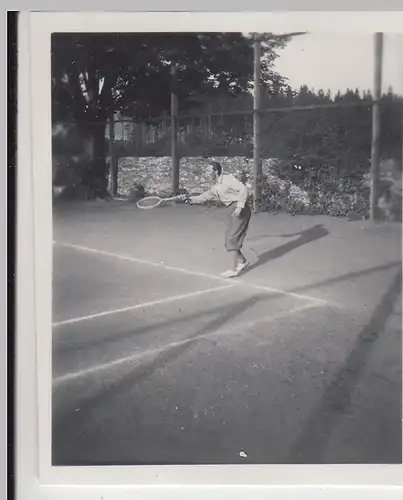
point(228, 190)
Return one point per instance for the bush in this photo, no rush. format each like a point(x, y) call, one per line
point(312, 186)
point(348, 198)
point(73, 193)
point(137, 192)
point(390, 204)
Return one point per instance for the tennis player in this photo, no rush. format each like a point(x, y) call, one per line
point(234, 195)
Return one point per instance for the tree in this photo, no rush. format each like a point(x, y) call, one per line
point(94, 75)
point(86, 69)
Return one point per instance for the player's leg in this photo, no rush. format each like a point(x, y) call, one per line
point(234, 238)
point(245, 217)
point(239, 259)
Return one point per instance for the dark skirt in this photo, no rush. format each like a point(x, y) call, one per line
point(237, 228)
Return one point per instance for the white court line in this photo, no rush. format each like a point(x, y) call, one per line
point(140, 306)
point(186, 271)
point(127, 359)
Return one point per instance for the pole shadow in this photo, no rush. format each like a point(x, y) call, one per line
point(73, 432)
point(307, 236)
point(346, 277)
point(314, 436)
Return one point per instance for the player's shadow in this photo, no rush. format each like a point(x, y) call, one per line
point(307, 236)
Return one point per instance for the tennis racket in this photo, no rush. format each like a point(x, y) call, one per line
point(154, 201)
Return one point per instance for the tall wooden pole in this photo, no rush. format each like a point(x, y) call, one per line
point(113, 163)
point(257, 167)
point(401, 133)
point(376, 126)
point(174, 132)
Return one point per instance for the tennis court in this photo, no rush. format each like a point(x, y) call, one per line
point(157, 359)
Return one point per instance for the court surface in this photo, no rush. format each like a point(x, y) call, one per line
point(156, 359)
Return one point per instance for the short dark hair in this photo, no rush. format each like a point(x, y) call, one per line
point(216, 167)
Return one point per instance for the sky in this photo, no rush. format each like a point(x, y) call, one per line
point(340, 61)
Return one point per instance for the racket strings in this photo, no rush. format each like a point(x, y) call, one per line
point(149, 202)
point(154, 201)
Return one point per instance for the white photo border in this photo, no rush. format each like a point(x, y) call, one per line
point(35, 270)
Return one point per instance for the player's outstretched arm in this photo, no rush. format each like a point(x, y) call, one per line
point(203, 198)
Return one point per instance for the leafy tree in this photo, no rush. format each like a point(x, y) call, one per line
point(94, 75)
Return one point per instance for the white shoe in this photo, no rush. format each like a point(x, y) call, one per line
point(230, 273)
point(242, 267)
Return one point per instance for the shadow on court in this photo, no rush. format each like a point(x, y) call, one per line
point(314, 437)
point(312, 234)
point(80, 343)
point(345, 277)
point(83, 343)
point(71, 428)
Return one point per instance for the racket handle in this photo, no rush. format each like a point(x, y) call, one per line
point(183, 198)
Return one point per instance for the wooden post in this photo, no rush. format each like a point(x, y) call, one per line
point(113, 163)
point(376, 126)
point(143, 133)
point(164, 125)
point(174, 132)
point(257, 167)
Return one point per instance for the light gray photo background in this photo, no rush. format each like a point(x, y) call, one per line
point(71, 5)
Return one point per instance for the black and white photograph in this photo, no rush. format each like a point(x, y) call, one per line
point(227, 247)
